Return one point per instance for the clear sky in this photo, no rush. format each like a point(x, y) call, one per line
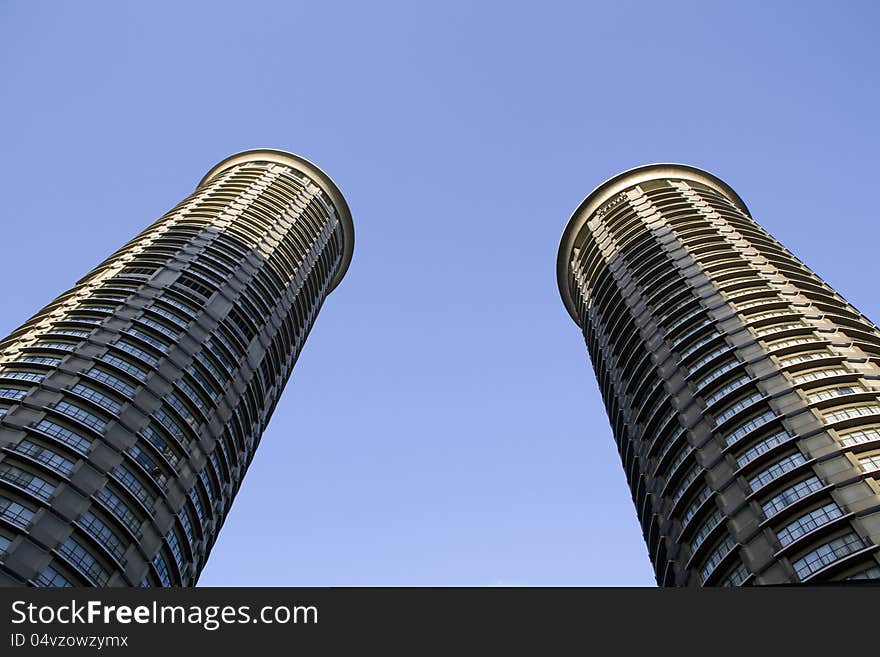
point(443, 424)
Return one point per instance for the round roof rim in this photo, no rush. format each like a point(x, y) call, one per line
point(610, 188)
point(317, 175)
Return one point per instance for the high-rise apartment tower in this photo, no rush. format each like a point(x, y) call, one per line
point(131, 406)
point(742, 390)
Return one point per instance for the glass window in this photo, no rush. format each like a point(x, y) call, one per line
point(803, 358)
point(15, 513)
point(174, 544)
point(704, 494)
point(146, 337)
point(85, 319)
point(706, 528)
point(120, 510)
point(195, 286)
point(124, 476)
point(209, 488)
point(98, 398)
point(36, 377)
point(721, 369)
point(192, 395)
point(175, 402)
point(724, 547)
point(185, 521)
point(168, 423)
point(860, 436)
point(764, 446)
point(138, 272)
point(215, 462)
point(109, 380)
point(851, 412)
point(223, 448)
point(746, 428)
point(791, 342)
point(218, 352)
point(148, 464)
point(125, 366)
point(737, 406)
point(815, 375)
point(107, 296)
point(162, 570)
point(52, 578)
point(194, 498)
point(870, 463)
point(686, 481)
point(745, 305)
point(746, 290)
point(83, 561)
point(36, 486)
point(725, 390)
point(170, 300)
point(237, 326)
point(808, 522)
point(831, 393)
point(827, 554)
point(776, 470)
point(41, 360)
point(12, 393)
point(64, 435)
point(200, 356)
point(737, 575)
point(81, 415)
point(778, 328)
point(153, 437)
point(684, 319)
point(137, 352)
point(682, 340)
point(871, 573)
point(791, 495)
point(174, 335)
point(79, 333)
point(225, 342)
point(65, 346)
point(102, 534)
point(680, 458)
point(712, 355)
point(762, 316)
point(46, 457)
point(167, 314)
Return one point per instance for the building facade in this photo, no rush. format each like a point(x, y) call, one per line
point(742, 390)
point(131, 406)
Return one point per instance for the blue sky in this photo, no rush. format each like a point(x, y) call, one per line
point(443, 425)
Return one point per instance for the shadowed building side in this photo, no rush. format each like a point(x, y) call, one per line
point(131, 406)
point(742, 390)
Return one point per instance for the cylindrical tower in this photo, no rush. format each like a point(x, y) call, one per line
point(741, 389)
point(131, 406)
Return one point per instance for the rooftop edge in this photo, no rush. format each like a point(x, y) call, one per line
point(320, 178)
point(611, 188)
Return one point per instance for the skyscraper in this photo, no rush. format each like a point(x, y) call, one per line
point(742, 390)
point(131, 406)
